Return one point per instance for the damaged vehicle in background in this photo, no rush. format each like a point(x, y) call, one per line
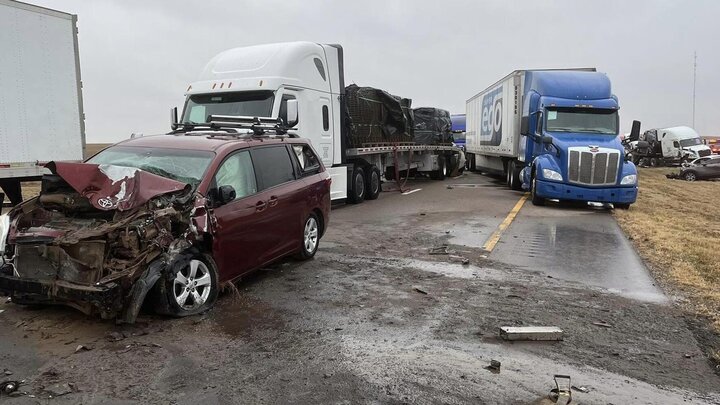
point(704, 168)
point(170, 217)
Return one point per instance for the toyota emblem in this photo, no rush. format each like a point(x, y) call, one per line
point(105, 202)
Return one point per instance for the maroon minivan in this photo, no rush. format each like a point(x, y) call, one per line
point(167, 217)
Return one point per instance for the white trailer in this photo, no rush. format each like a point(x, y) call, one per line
point(258, 81)
point(41, 114)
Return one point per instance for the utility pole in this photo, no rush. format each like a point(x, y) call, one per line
point(694, 83)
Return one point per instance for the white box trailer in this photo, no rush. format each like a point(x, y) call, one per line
point(41, 114)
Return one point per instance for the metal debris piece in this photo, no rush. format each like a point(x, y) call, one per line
point(494, 366)
point(545, 333)
point(561, 394)
point(602, 323)
point(581, 389)
point(82, 348)
point(8, 387)
point(420, 290)
point(57, 390)
point(439, 250)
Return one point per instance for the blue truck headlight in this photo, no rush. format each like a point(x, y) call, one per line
point(629, 179)
point(552, 175)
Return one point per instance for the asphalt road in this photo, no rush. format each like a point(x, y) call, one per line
point(376, 317)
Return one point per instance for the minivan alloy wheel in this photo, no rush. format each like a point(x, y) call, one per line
point(192, 285)
point(310, 236)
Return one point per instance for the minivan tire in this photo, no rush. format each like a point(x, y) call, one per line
point(373, 185)
point(196, 284)
point(311, 238)
point(357, 186)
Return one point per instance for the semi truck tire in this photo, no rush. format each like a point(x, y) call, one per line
point(441, 172)
point(373, 186)
point(356, 187)
point(654, 162)
point(513, 176)
point(536, 200)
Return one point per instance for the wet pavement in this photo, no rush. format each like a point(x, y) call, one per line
point(377, 318)
point(578, 244)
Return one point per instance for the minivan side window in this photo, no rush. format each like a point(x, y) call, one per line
point(237, 171)
point(272, 165)
point(307, 161)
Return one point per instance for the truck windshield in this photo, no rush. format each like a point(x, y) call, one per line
point(248, 103)
point(187, 166)
point(590, 120)
point(690, 142)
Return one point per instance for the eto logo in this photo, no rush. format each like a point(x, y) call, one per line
point(491, 120)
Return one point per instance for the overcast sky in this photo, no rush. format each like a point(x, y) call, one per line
point(137, 57)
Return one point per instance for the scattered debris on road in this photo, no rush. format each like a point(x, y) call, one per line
point(539, 333)
point(82, 348)
point(60, 389)
point(420, 290)
point(561, 395)
point(494, 366)
point(440, 250)
point(8, 387)
point(584, 390)
point(602, 324)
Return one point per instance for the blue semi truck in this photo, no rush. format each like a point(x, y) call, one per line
point(554, 133)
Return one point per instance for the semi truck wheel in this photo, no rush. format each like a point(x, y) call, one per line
point(441, 172)
point(373, 186)
point(356, 192)
point(654, 162)
point(513, 176)
point(536, 200)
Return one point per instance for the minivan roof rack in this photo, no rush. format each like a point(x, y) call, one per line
point(231, 123)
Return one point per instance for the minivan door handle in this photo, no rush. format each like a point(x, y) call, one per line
point(260, 205)
point(273, 201)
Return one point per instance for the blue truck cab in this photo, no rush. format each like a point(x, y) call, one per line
point(571, 148)
point(458, 129)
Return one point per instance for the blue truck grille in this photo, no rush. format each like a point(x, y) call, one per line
point(595, 167)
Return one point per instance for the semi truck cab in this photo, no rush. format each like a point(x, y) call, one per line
point(571, 148)
point(258, 81)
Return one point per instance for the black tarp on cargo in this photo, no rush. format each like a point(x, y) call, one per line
point(376, 116)
point(432, 126)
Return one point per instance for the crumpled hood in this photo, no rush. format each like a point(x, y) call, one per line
point(109, 187)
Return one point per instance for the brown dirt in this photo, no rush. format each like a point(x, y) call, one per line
point(676, 228)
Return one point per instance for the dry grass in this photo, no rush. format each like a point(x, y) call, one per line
point(675, 225)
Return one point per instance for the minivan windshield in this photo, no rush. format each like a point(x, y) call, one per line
point(690, 142)
point(588, 120)
point(247, 103)
point(187, 166)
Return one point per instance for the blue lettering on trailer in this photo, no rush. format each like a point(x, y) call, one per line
point(491, 123)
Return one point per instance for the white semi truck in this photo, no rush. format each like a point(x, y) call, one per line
point(665, 146)
point(259, 81)
point(41, 113)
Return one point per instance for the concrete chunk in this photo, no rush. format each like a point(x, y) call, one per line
point(531, 333)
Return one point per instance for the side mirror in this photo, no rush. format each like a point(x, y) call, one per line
point(174, 118)
point(222, 196)
point(292, 113)
point(226, 194)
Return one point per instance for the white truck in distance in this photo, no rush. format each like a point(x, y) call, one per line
point(258, 81)
point(41, 114)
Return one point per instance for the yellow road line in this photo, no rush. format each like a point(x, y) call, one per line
point(495, 237)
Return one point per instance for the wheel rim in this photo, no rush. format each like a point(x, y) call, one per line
point(359, 185)
point(310, 237)
point(690, 177)
point(374, 182)
point(192, 285)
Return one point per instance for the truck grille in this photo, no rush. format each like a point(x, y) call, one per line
point(593, 166)
point(705, 152)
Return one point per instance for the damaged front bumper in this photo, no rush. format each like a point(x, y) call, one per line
point(106, 299)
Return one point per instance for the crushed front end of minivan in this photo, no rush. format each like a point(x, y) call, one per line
point(97, 237)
